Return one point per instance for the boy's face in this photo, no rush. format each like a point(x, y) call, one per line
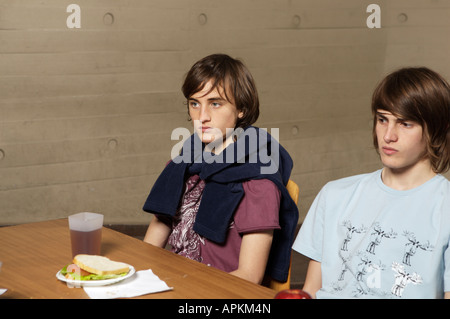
point(401, 143)
point(212, 114)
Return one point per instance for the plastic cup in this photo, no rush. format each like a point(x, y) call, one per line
point(86, 233)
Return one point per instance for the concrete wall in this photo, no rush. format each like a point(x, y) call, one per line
point(86, 113)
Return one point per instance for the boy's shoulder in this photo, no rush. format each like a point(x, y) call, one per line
point(346, 184)
point(443, 182)
point(352, 181)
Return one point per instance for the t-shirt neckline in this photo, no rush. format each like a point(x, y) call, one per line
point(407, 192)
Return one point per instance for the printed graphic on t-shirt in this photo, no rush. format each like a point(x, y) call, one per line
point(364, 261)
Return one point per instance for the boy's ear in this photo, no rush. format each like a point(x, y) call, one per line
point(241, 115)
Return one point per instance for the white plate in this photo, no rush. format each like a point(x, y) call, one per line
point(94, 283)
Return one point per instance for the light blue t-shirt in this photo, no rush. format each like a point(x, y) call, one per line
point(376, 242)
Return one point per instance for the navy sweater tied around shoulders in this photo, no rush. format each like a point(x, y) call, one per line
point(254, 155)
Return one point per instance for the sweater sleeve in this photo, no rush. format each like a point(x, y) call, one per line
point(259, 208)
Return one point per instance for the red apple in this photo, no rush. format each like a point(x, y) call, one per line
point(292, 294)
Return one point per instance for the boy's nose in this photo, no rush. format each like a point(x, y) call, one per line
point(390, 134)
point(204, 115)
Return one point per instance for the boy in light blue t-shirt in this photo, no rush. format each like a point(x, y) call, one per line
point(386, 234)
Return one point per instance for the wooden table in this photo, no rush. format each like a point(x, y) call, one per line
point(33, 253)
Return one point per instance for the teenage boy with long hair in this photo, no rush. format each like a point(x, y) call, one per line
point(226, 214)
point(386, 234)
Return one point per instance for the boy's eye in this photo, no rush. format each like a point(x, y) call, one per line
point(215, 104)
point(193, 104)
point(406, 124)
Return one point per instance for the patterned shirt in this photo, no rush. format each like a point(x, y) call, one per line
point(258, 211)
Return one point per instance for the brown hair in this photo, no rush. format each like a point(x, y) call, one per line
point(233, 77)
point(423, 96)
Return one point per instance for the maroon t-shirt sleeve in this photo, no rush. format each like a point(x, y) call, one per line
point(259, 208)
point(257, 211)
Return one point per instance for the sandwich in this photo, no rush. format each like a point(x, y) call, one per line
point(93, 267)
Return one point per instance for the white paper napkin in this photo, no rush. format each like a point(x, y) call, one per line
point(141, 283)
